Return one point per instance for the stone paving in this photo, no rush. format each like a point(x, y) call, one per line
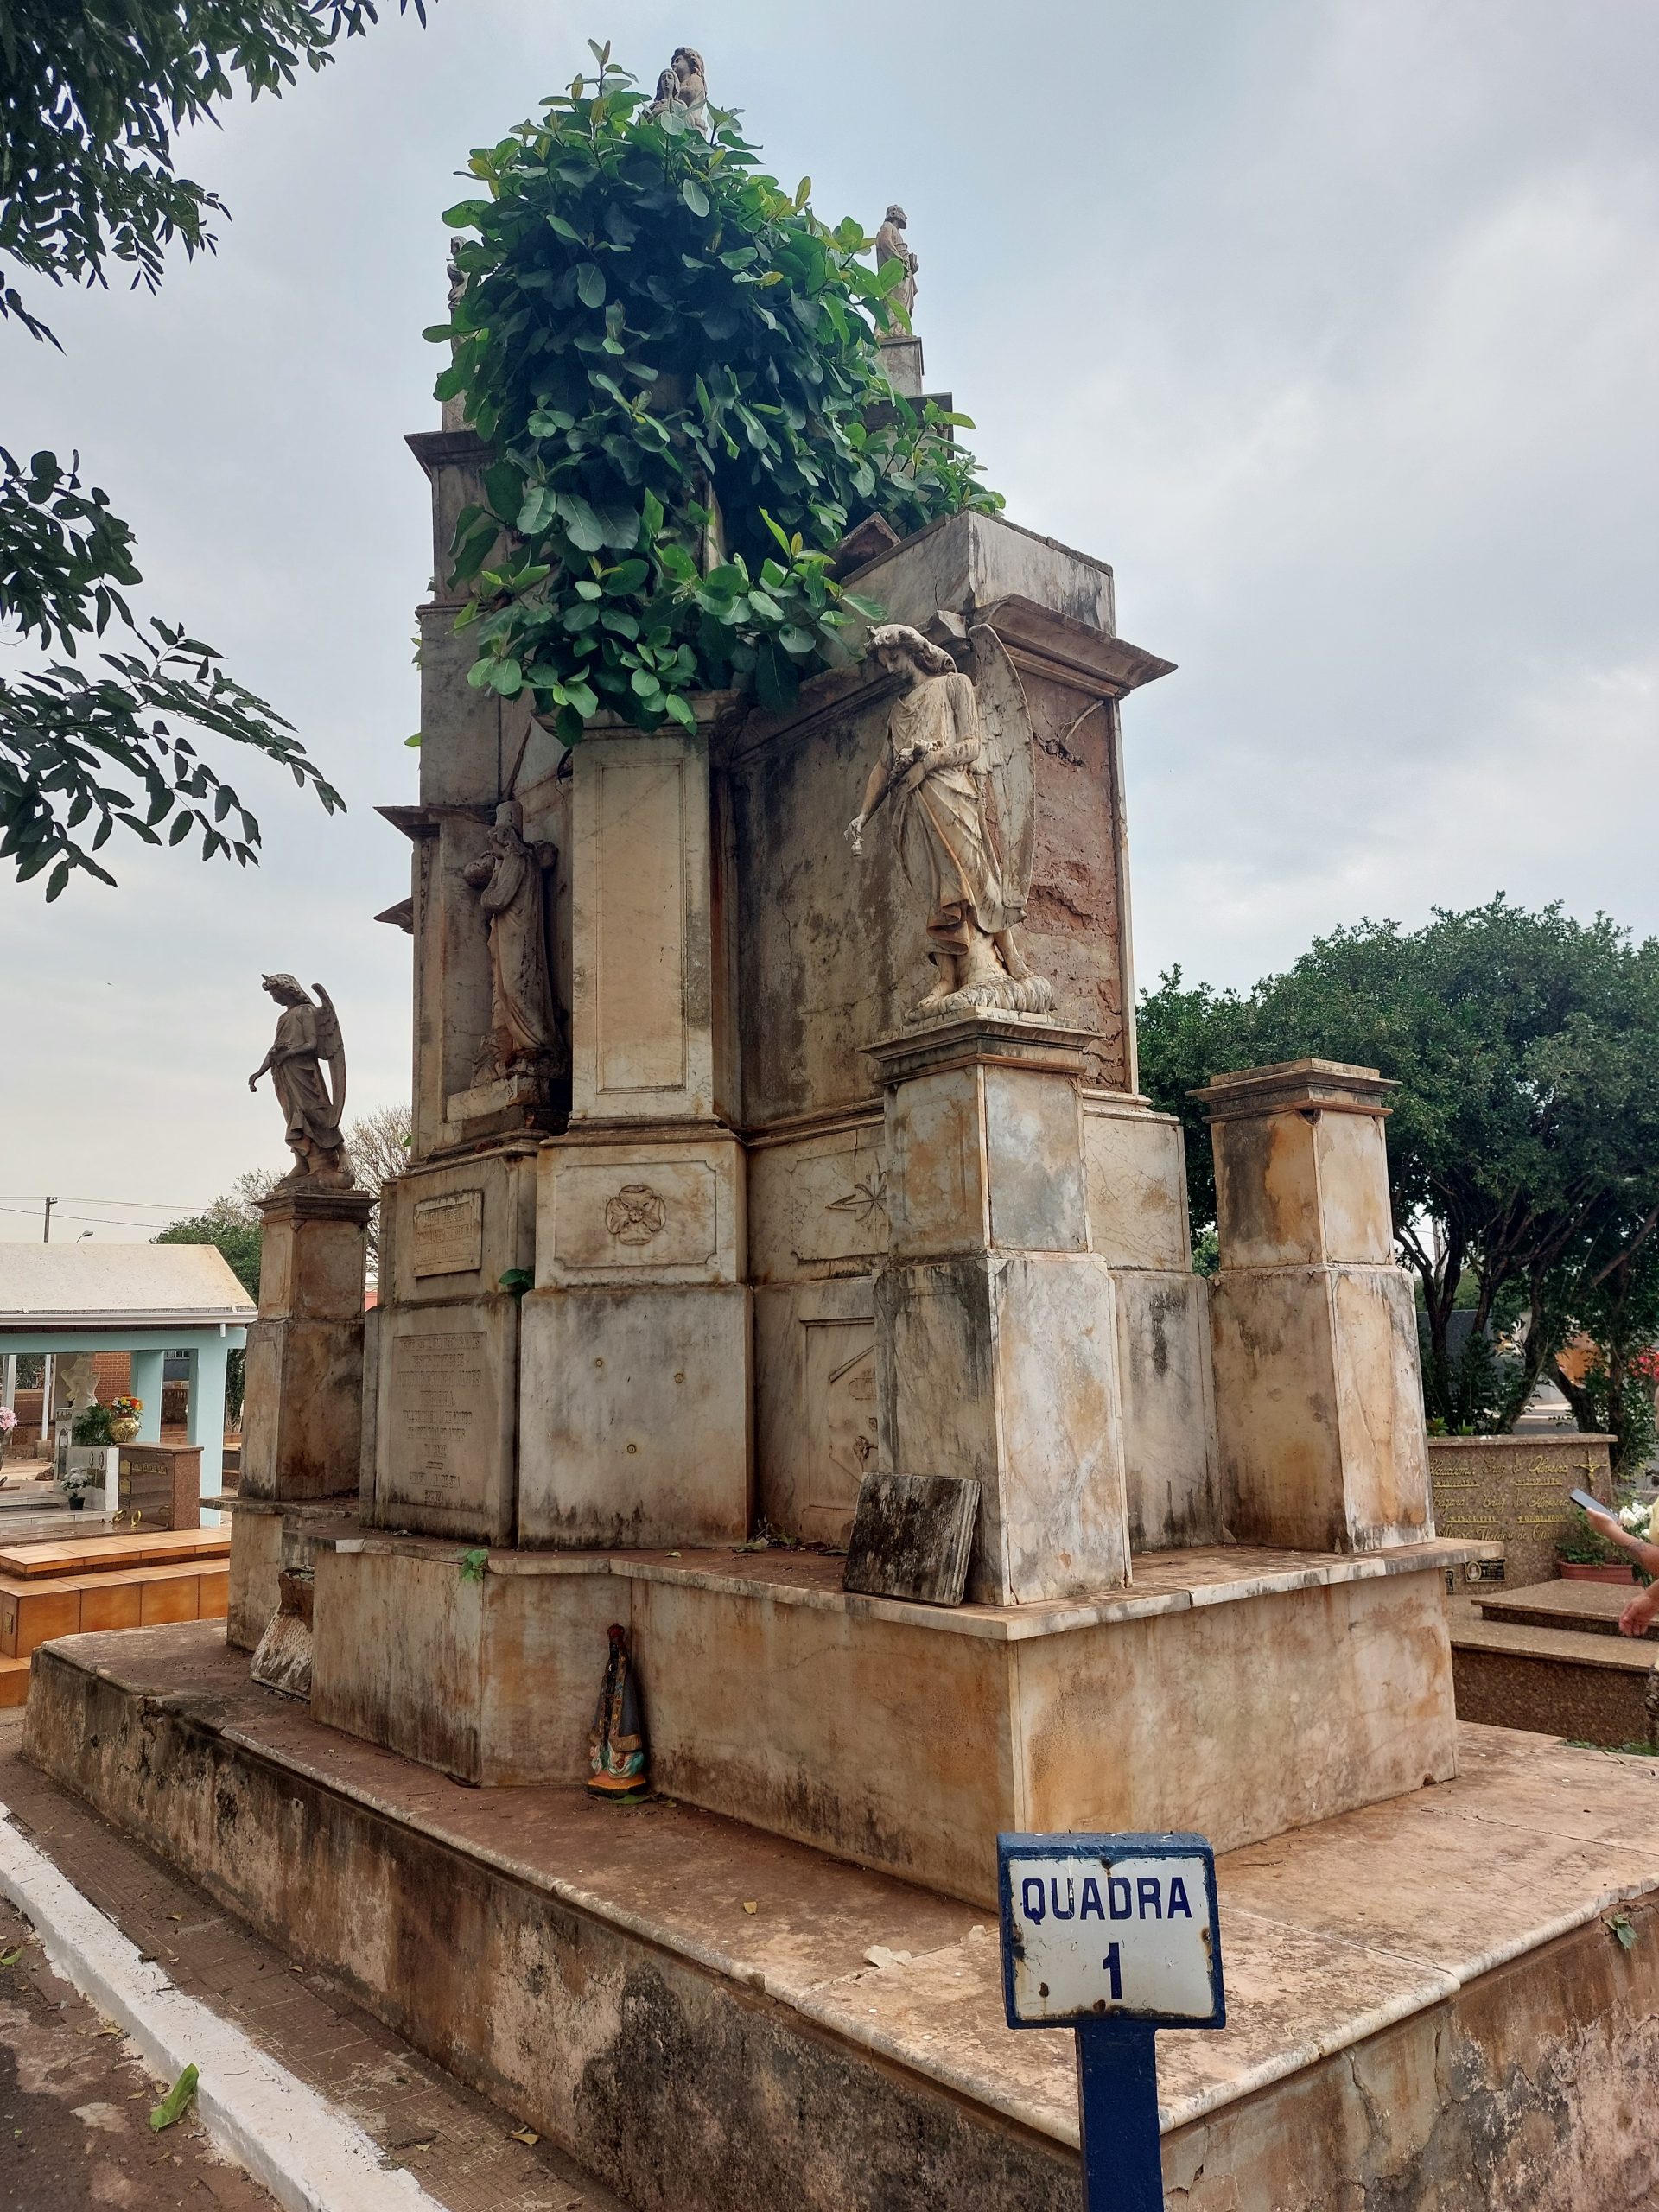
point(461, 2149)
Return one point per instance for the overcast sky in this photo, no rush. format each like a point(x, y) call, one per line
point(1332, 324)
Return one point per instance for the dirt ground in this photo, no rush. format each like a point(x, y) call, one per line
point(74, 2113)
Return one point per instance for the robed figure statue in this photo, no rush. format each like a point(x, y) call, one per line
point(943, 754)
point(308, 1041)
point(523, 1026)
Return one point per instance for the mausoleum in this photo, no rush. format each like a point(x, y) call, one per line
point(756, 1166)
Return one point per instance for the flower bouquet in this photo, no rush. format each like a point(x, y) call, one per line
point(8, 1423)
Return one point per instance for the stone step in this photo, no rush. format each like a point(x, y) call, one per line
point(34, 1612)
point(91, 1553)
point(1591, 1608)
point(13, 1682)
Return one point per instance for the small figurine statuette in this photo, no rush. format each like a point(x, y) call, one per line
point(946, 745)
point(308, 1040)
point(682, 86)
point(524, 1028)
point(617, 1752)
point(891, 244)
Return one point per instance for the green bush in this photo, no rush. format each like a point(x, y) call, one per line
point(677, 368)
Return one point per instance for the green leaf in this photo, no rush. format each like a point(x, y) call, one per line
point(680, 710)
point(175, 2103)
point(694, 196)
point(590, 284)
point(619, 526)
point(627, 576)
point(794, 639)
point(586, 530)
point(645, 684)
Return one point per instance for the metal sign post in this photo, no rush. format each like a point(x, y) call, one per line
point(1116, 1937)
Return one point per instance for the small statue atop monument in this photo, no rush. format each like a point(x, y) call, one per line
point(891, 244)
point(523, 1026)
point(682, 86)
point(946, 743)
point(308, 1040)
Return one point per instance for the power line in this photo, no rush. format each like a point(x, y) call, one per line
point(103, 1220)
point(149, 1205)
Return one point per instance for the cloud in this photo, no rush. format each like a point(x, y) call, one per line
point(1330, 323)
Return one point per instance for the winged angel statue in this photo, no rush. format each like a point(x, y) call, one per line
point(308, 1040)
point(951, 745)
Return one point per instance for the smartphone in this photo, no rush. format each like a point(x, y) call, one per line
point(1590, 1504)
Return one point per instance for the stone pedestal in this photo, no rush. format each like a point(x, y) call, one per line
point(302, 1415)
point(1317, 1393)
point(995, 1329)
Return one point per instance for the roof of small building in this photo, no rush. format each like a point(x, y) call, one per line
point(92, 1285)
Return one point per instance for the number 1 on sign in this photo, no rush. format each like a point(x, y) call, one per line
point(1113, 1966)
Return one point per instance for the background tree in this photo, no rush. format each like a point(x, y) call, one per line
point(1523, 1145)
point(233, 1226)
point(377, 1145)
point(91, 97)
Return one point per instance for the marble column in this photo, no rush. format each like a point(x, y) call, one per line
point(995, 1333)
point(1319, 1397)
point(206, 1414)
point(148, 1370)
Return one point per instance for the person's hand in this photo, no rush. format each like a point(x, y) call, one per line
point(1604, 1521)
point(855, 833)
point(1638, 1615)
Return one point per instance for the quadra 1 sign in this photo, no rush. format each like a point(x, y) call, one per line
point(1109, 1926)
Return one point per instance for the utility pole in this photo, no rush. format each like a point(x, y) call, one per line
point(47, 1238)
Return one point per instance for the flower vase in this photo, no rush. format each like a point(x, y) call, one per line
point(124, 1432)
point(77, 1502)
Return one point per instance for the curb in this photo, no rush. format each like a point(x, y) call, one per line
point(306, 2152)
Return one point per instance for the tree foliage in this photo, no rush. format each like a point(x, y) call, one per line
point(677, 368)
point(91, 96)
point(98, 747)
point(1523, 1144)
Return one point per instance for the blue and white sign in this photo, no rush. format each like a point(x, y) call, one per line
point(1122, 1926)
point(1115, 1936)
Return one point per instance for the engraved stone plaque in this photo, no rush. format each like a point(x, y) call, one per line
point(653, 1214)
point(839, 1202)
point(448, 1238)
point(439, 1420)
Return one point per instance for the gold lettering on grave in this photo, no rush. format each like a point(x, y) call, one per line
point(449, 1237)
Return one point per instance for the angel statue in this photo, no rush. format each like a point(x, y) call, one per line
point(946, 743)
point(308, 1040)
point(683, 86)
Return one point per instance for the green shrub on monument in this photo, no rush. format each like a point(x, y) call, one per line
point(679, 369)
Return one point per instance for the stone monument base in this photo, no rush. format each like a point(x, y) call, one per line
point(1243, 1692)
point(1426, 2003)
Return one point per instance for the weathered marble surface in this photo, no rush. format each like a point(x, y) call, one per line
point(1470, 2036)
point(302, 1423)
point(1136, 1170)
point(637, 1414)
point(643, 951)
point(1318, 1395)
